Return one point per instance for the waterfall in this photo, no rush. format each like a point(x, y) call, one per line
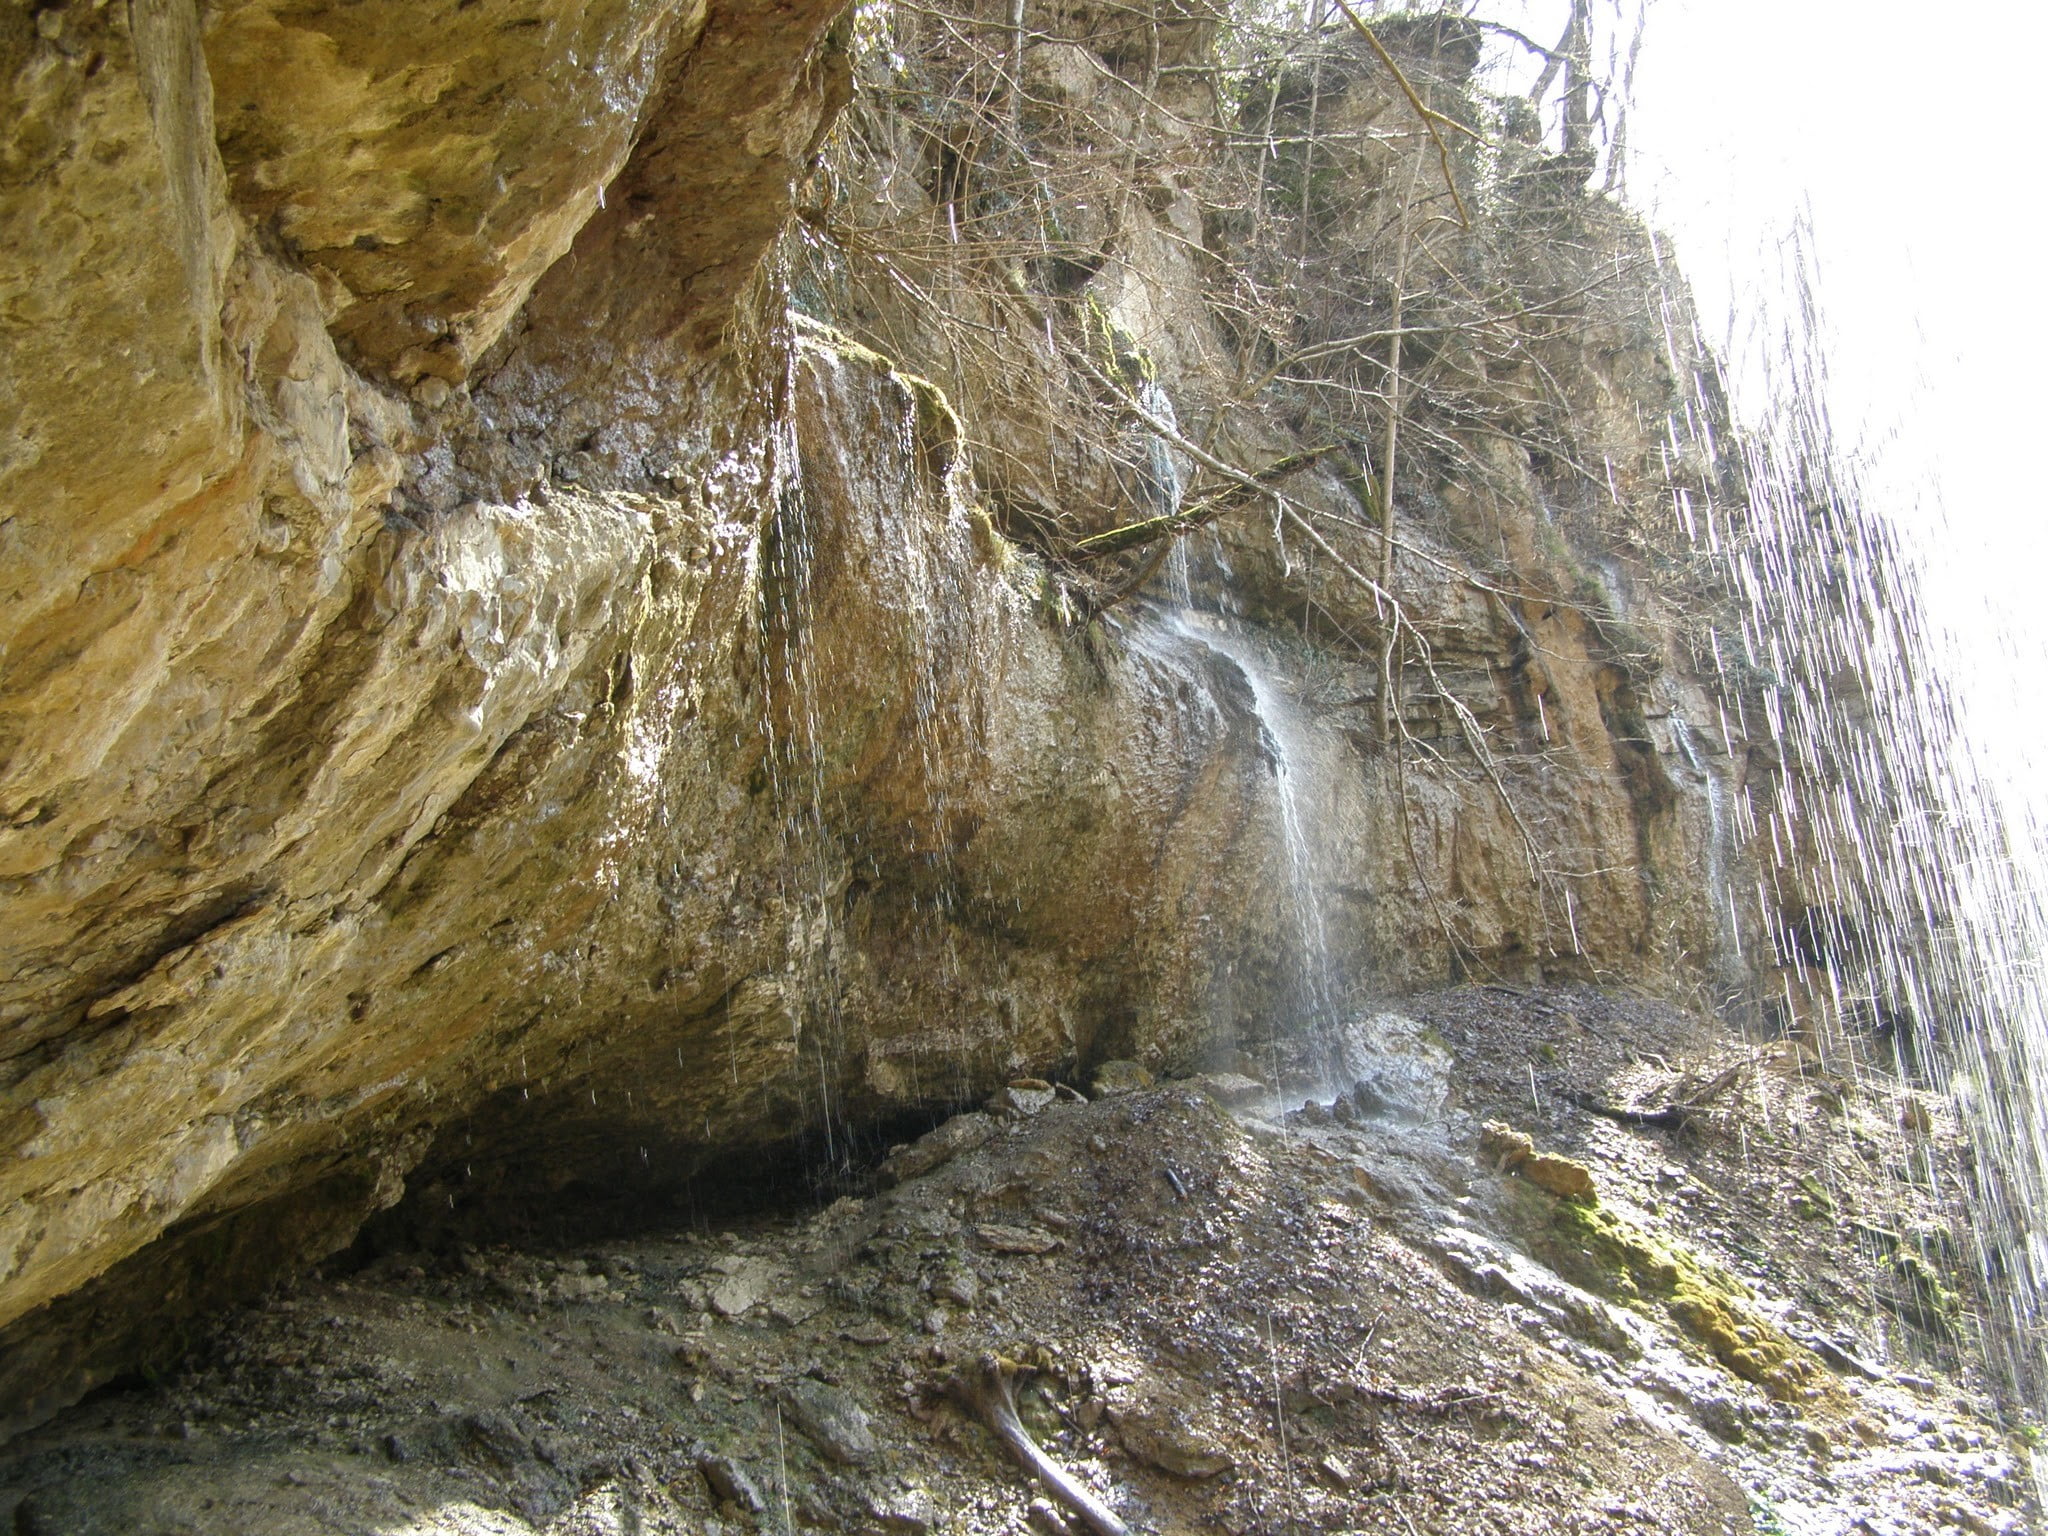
point(1160, 479)
point(1195, 645)
point(1284, 737)
point(1904, 891)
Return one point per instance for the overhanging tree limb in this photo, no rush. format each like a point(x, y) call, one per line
point(1429, 115)
point(1228, 471)
point(1131, 535)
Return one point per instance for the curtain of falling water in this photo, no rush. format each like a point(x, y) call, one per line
point(1907, 904)
point(795, 763)
point(1285, 736)
point(926, 540)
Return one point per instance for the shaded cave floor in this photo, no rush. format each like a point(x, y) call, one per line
point(1227, 1318)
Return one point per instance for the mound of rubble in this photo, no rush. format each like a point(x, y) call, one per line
point(1205, 1309)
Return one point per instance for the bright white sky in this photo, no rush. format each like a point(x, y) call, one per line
point(1915, 137)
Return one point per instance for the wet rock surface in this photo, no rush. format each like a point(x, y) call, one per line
point(502, 719)
point(1247, 1323)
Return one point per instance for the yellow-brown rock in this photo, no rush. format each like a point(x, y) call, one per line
point(1512, 1151)
point(250, 704)
point(490, 707)
point(426, 163)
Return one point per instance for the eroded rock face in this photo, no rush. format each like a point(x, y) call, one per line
point(253, 713)
point(488, 706)
point(427, 164)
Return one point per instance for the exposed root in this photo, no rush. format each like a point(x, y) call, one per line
point(984, 1387)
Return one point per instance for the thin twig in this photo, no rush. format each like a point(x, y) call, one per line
point(1430, 117)
point(1390, 450)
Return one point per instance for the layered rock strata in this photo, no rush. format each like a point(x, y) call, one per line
point(482, 686)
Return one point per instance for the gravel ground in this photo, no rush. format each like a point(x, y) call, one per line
point(1218, 1311)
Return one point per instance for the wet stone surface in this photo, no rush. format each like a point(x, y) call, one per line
point(1246, 1320)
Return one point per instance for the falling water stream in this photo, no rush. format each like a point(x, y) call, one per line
point(1193, 646)
point(1900, 879)
point(1284, 738)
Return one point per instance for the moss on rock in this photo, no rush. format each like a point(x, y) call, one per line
point(1716, 1309)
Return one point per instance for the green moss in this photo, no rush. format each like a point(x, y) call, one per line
point(939, 432)
point(1813, 1202)
point(1926, 1300)
point(1711, 1305)
point(1117, 349)
point(994, 548)
point(1055, 607)
point(827, 338)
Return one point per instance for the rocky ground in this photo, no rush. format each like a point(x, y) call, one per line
point(1559, 1262)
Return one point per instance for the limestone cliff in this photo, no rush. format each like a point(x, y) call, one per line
point(484, 686)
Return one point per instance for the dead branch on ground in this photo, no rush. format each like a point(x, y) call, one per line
point(983, 1388)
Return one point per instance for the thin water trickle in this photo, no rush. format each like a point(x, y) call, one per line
point(792, 734)
point(923, 664)
point(1179, 579)
point(1720, 890)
